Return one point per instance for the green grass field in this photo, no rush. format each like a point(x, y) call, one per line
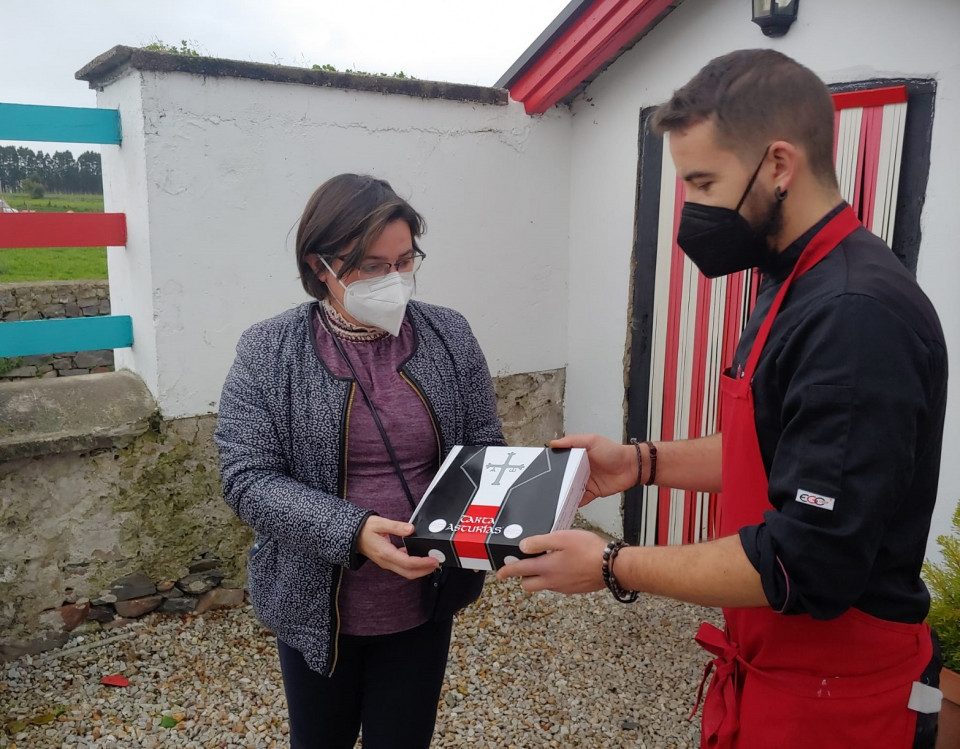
point(54, 263)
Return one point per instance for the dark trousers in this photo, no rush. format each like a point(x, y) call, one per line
point(388, 685)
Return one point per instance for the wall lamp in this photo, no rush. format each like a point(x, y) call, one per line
point(775, 16)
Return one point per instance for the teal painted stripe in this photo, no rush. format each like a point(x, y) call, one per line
point(59, 124)
point(32, 337)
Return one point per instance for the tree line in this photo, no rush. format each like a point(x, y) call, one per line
point(25, 170)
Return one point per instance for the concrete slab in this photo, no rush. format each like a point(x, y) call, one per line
point(70, 414)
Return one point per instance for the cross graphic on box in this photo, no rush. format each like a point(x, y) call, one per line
point(504, 467)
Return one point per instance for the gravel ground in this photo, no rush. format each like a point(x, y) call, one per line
point(525, 671)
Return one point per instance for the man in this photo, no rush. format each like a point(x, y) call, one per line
point(831, 428)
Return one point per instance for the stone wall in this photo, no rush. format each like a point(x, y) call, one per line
point(50, 300)
point(108, 512)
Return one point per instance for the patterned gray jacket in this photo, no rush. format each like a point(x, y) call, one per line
point(283, 465)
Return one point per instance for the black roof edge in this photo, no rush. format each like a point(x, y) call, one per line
point(110, 64)
point(567, 17)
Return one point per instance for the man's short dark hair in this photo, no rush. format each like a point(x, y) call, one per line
point(754, 97)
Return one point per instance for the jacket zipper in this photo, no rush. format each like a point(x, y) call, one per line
point(335, 632)
point(433, 417)
point(436, 431)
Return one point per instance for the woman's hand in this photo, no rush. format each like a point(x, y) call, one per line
point(375, 544)
point(572, 563)
point(613, 467)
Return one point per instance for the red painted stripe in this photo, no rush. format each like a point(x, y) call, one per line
point(472, 544)
point(593, 39)
point(870, 134)
point(874, 97)
point(63, 229)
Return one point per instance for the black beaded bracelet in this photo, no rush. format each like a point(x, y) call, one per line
point(609, 555)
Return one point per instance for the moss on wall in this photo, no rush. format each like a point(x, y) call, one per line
point(170, 499)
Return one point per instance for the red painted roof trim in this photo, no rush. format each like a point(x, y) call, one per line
point(871, 97)
point(593, 39)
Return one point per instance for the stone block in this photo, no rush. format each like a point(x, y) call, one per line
point(53, 311)
point(92, 310)
point(30, 315)
point(11, 316)
point(74, 614)
point(44, 368)
point(20, 372)
point(37, 360)
point(185, 605)
point(101, 614)
point(219, 598)
point(89, 301)
point(200, 582)
point(204, 565)
point(136, 607)
point(48, 641)
point(90, 359)
point(132, 586)
point(105, 307)
point(63, 363)
point(71, 309)
point(101, 370)
point(73, 372)
point(48, 375)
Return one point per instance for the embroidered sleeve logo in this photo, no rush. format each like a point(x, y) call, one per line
point(815, 500)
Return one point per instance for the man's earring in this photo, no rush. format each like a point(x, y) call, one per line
point(779, 194)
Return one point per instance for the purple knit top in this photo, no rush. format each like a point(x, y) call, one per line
point(372, 600)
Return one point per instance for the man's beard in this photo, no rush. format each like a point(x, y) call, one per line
point(770, 224)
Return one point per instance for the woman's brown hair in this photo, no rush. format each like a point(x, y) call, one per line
point(347, 214)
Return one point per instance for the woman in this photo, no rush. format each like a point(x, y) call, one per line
point(305, 463)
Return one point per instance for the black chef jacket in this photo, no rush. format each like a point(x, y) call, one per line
point(849, 396)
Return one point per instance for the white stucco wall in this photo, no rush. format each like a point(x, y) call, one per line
point(842, 42)
point(214, 172)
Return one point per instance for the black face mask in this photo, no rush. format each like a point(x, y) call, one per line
point(720, 241)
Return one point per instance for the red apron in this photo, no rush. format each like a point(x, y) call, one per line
point(791, 680)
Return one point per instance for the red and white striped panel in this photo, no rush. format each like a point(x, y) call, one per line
point(868, 147)
point(697, 322)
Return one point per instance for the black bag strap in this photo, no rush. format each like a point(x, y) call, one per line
point(373, 411)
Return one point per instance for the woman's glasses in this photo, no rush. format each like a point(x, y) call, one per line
point(407, 264)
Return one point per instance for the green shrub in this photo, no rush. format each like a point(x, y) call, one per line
point(9, 364)
point(944, 583)
point(34, 188)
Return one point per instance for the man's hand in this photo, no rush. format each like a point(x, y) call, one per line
point(572, 565)
point(613, 467)
point(375, 544)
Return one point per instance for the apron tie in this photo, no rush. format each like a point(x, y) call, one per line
point(720, 714)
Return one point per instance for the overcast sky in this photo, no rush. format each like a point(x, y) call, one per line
point(44, 42)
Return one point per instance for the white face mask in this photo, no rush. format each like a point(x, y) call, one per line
point(380, 302)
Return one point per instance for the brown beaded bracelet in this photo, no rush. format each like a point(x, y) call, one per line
point(653, 463)
point(610, 552)
point(652, 452)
